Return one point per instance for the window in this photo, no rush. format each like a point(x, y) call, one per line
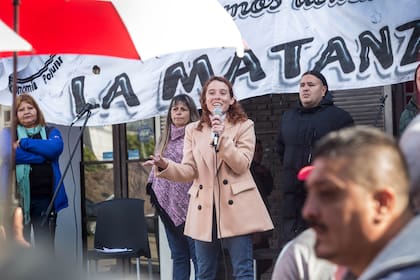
point(112, 167)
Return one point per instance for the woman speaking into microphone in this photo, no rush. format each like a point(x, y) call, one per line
point(225, 207)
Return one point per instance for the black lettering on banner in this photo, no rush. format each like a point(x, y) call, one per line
point(336, 51)
point(202, 69)
point(413, 46)
point(306, 4)
point(77, 90)
point(317, 4)
point(381, 49)
point(46, 72)
point(51, 69)
point(176, 78)
point(176, 73)
point(121, 86)
point(24, 88)
point(252, 66)
point(292, 54)
point(255, 8)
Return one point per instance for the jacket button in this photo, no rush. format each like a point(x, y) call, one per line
point(199, 207)
point(230, 202)
point(200, 187)
point(225, 182)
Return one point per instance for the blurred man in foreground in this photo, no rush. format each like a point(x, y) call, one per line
point(358, 205)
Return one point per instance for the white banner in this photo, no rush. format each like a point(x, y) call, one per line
point(354, 43)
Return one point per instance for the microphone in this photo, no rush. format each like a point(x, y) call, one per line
point(87, 107)
point(217, 111)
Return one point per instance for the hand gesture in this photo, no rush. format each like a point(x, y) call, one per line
point(217, 124)
point(158, 161)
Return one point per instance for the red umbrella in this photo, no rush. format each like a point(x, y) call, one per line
point(102, 27)
point(58, 26)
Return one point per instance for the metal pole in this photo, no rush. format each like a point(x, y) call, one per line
point(12, 194)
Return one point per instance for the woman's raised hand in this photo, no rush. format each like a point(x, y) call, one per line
point(156, 160)
point(217, 124)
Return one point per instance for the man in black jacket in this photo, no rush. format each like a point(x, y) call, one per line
point(299, 129)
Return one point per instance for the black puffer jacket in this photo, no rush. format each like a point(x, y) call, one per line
point(299, 130)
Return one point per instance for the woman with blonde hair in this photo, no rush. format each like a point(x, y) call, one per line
point(171, 198)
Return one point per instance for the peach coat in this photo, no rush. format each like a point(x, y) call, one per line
point(239, 207)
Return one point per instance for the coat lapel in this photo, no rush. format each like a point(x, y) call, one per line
point(230, 133)
point(207, 150)
point(204, 141)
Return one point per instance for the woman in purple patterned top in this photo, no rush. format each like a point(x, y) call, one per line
point(171, 198)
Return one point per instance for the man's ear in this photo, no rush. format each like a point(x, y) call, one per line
point(386, 201)
point(324, 90)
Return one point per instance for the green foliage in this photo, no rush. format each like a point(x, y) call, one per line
point(88, 155)
point(145, 149)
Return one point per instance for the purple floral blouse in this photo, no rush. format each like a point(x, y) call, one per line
point(172, 196)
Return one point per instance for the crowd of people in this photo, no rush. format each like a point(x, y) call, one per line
point(350, 193)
